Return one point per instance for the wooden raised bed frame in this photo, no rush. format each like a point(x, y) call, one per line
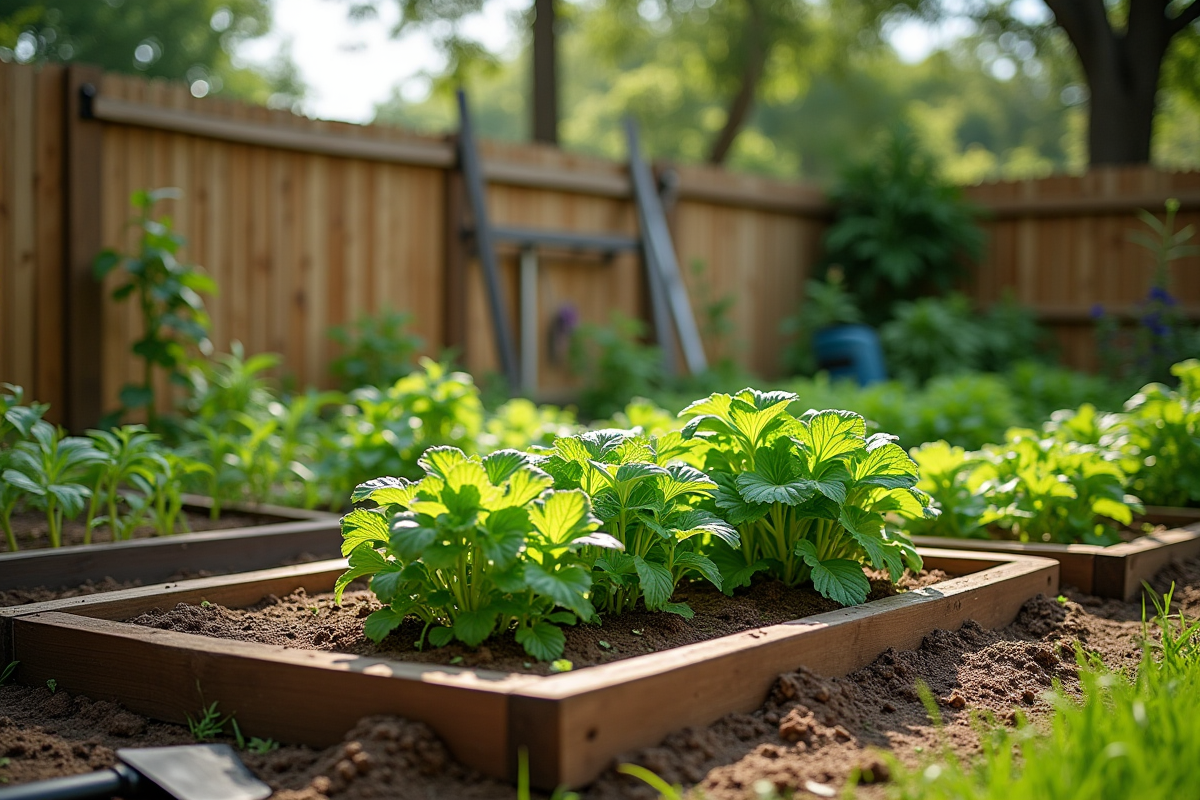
point(297, 532)
point(573, 724)
point(1113, 572)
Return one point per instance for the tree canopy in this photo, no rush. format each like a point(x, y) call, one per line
point(188, 40)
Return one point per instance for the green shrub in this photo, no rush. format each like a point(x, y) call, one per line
point(899, 231)
point(615, 365)
point(376, 350)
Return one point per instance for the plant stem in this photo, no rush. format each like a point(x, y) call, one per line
point(53, 521)
point(6, 523)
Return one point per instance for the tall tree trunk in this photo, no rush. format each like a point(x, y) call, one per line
point(739, 109)
point(545, 74)
point(1122, 69)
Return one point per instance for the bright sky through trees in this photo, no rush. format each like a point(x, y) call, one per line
point(350, 67)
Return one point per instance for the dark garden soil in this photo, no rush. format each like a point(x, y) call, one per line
point(313, 622)
point(32, 533)
point(810, 735)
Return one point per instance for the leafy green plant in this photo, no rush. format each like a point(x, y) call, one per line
point(807, 494)
point(649, 501)
point(376, 349)
point(168, 295)
point(208, 724)
point(17, 422)
point(899, 230)
point(166, 498)
point(1162, 439)
point(614, 363)
point(129, 460)
point(1041, 489)
point(50, 469)
point(52, 685)
point(477, 546)
point(945, 471)
point(254, 744)
point(519, 424)
point(385, 431)
point(932, 336)
point(1009, 334)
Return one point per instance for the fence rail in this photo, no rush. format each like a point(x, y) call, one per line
point(305, 224)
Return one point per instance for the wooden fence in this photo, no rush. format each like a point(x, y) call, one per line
point(306, 224)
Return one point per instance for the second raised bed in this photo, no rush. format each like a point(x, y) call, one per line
point(574, 724)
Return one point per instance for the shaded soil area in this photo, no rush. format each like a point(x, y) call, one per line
point(810, 735)
point(32, 532)
point(313, 622)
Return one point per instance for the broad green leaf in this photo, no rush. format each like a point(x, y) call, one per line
point(440, 555)
point(839, 579)
point(440, 637)
point(682, 609)
point(754, 413)
point(887, 466)
point(441, 460)
point(683, 525)
point(656, 582)
point(735, 507)
point(831, 434)
point(715, 405)
point(382, 622)
point(524, 486)
point(387, 582)
point(24, 483)
point(409, 538)
point(363, 561)
point(473, 627)
point(832, 482)
point(542, 640)
point(504, 534)
point(362, 525)
point(563, 517)
point(600, 444)
point(866, 529)
point(502, 464)
point(681, 479)
point(735, 572)
point(567, 586)
point(697, 562)
point(776, 477)
point(385, 491)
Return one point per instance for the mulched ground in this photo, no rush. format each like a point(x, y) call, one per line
point(810, 735)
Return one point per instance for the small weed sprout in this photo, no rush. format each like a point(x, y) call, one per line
point(8, 672)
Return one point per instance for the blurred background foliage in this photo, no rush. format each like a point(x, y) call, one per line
point(185, 40)
point(1002, 98)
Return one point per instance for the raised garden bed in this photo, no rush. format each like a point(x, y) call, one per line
point(1117, 571)
point(573, 723)
point(276, 535)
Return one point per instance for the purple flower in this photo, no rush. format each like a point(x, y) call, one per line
point(1097, 311)
point(1161, 295)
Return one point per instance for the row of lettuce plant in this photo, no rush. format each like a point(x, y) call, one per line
point(1080, 478)
point(120, 479)
point(613, 520)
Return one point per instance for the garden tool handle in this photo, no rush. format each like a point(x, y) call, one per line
point(118, 781)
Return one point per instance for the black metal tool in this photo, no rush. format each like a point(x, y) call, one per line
point(186, 772)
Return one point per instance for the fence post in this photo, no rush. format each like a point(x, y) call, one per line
point(82, 240)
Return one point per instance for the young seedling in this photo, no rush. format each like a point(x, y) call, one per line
point(52, 685)
point(254, 744)
point(8, 672)
point(208, 724)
